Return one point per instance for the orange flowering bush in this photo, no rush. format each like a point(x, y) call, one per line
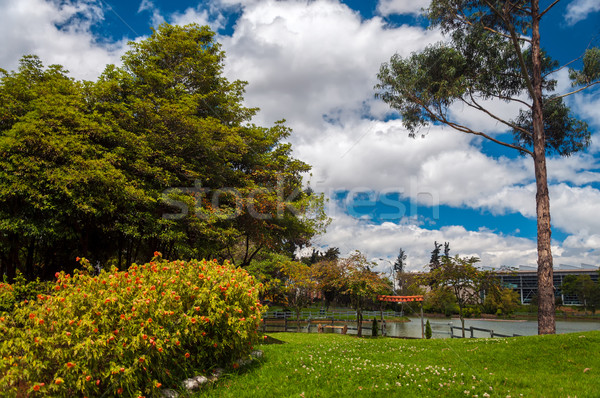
point(125, 333)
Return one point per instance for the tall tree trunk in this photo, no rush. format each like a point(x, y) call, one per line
point(546, 311)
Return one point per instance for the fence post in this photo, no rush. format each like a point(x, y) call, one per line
point(422, 324)
point(472, 332)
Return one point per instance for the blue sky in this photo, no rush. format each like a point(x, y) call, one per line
point(314, 63)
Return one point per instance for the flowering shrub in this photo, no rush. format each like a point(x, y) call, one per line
point(7, 297)
point(129, 333)
point(20, 290)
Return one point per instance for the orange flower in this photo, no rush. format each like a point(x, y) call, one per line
point(120, 390)
point(187, 354)
point(141, 360)
point(36, 387)
point(215, 345)
point(70, 365)
point(88, 378)
point(31, 316)
point(58, 381)
point(158, 385)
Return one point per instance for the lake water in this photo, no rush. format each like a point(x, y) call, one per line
point(441, 327)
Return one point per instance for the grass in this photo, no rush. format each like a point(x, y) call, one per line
point(332, 365)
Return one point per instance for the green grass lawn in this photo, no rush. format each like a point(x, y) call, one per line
point(331, 365)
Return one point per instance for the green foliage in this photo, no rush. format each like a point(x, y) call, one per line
point(590, 72)
point(267, 268)
point(428, 332)
point(7, 297)
point(557, 120)
point(21, 290)
point(440, 300)
point(586, 290)
point(504, 302)
point(92, 167)
point(129, 332)
point(298, 286)
point(328, 275)
point(362, 285)
point(465, 282)
point(374, 328)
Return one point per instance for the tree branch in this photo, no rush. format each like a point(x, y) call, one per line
point(467, 130)
point(464, 129)
point(517, 47)
point(475, 105)
point(548, 9)
point(502, 97)
point(574, 92)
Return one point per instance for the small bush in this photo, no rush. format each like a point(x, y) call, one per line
point(428, 332)
point(374, 328)
point(128, 333)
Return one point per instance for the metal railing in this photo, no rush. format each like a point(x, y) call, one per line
point(471, 330)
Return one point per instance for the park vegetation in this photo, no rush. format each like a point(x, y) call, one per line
point(158, 154)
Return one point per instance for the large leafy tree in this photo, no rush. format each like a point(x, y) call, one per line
point(361, 284)
point(299, 286)
point(95, 168)
point(460, 276)
point(586, 290)
point(494, 52)
point(60, 189)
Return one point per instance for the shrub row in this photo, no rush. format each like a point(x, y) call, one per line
point(129, 333)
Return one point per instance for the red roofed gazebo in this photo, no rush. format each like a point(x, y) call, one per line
point(405, 299)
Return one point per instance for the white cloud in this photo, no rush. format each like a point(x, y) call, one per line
point(384, 240)
point(311, 61)
point(148, 5)
point(442, 168)
point(200, 15)
point(578, 10)
point(399, 7)
point(58, 32)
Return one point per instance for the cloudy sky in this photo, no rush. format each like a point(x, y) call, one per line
point(314, 63)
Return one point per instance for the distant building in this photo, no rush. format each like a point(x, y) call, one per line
point(524, 280)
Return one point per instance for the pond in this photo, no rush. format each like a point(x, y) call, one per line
point(441, 327)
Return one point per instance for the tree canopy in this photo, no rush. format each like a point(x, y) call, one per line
point(159, 154)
